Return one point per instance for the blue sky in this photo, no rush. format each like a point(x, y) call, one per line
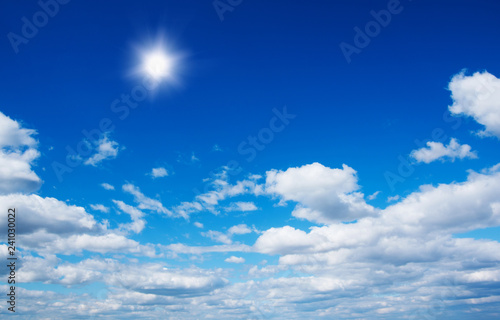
point(241, 163)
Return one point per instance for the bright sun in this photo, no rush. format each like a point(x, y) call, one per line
point(157, 64)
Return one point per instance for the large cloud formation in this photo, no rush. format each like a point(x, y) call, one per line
point(17, 154)
point(477, 96)
point(324, 195)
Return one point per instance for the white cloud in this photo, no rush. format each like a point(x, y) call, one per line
point(45, 243)
point(106, 149)
point(198, 225)
point(99, 207)
point(239, 229)
point(159, 172)
point(393, 265)
point(179, 248)
point(158, 280)
point(153, 278)
point(218, 236)
point(373, 196)
point(393, 198)
point(137, 224)
point(107, 186)
point(210, 201)
point(17, 154)
point(436, 150)
point(12, 135)
point(143, 201)
point(241, 206)
point(50, 226)
point(396, 263)
point(324, 195)
point(430, 213)
point(234, 259)
point(50, 214)
point(226, 238)
point(477, 96)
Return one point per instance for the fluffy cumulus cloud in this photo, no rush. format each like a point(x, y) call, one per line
point(429, 213)
point(477, 96)
point(159, 280)
point(407, 255)
point(48, 214)
point(150, 278)
point(324, 195)
point(403, 262)
point(436, 150)
point(17, 155)
point(48, 225)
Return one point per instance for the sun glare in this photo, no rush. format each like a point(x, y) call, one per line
point(157, 64)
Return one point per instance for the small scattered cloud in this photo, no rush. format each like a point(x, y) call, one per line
point(218, 236)
point(234, 259)
point(159, 172)
point(143, 201)
point(138, 223)
point(226, 238)
point(437, 151)
point(106, 150)
point(187, 159)
point(373, 196)
point(216, 148)
point(198, 225)
point(107, 186)
point(239, 229)
point(99, 207)
point(194, 158)
point(393, 198)
point(241, 206)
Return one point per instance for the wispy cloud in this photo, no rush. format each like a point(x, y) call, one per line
point(143, 201)
point(99, 207)
point(106, 150)
point(107, 186)
point(241, 206)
